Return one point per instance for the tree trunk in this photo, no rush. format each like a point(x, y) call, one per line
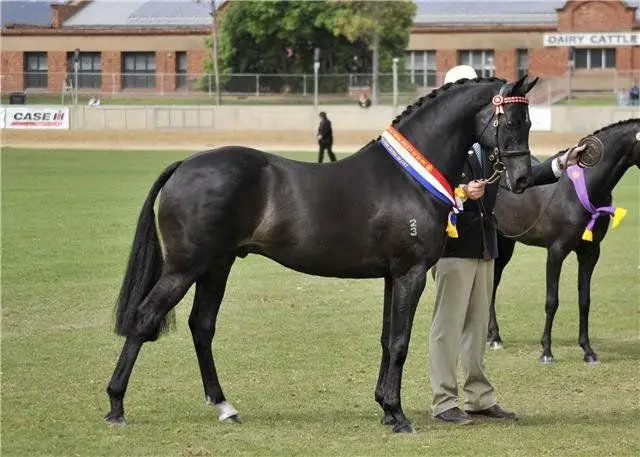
point(375, 69)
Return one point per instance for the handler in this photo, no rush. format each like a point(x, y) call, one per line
point(464, 283)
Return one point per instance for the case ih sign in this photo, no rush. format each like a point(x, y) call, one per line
point(35, 118)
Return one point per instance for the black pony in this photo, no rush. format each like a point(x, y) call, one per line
point(376, 222)
point(552, 217)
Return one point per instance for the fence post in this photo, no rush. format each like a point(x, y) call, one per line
point(209, 79)
point(257, 85)
point(304, 85)
point(113, 84)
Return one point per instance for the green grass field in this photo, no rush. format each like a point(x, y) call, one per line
point(297, 355)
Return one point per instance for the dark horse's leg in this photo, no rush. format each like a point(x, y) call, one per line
point(588, 255)
point(202, 322)
point(167, 292)
point(505, 251)
point(555, 257)
point(384, 342)
point(405, 296)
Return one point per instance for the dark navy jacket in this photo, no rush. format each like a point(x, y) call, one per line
point(477, 232)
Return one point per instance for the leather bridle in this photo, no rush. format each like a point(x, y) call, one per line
point(495, 157)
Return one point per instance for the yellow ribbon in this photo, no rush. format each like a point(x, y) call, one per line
point(618, 215)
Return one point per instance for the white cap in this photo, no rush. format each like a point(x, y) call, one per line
point(460, 72)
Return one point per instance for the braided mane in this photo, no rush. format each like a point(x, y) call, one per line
point(617, 124)
point(435, 92)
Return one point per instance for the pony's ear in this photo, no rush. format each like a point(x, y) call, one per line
point(528, 86)
point(517, 86)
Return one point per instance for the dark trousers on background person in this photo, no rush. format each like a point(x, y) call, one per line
point(327, 147)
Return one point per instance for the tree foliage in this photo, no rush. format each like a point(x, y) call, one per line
point(279, 37)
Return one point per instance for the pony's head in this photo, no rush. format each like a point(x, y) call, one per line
point(620, 142)
point(503, 127)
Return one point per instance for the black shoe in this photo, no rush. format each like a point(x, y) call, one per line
point(495, 412)
point(454, 416)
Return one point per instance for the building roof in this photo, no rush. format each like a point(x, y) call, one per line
point(148, 13)
point(480, 12)
point(26, 12)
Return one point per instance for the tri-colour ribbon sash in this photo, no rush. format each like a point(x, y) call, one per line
point(576, 174)
point(422, 171)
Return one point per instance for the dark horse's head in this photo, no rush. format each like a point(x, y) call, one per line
point(504, 129)
point(489, 111)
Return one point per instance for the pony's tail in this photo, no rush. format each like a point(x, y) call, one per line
point(145, 265)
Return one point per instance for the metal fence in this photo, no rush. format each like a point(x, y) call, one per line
point(294, 88)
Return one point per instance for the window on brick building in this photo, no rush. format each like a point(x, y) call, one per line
point(482, 62)
point(138, 70)
point(523, 62)
point(35, 70)
point(89, 70)
point(594, 59)
point(421, 67)
point(181, 69)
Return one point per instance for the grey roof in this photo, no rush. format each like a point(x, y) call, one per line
point(26, 12)
point(149, 13)
point(464, 12)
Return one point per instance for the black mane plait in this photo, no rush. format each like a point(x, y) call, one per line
point(435, 92)
point(617, 124)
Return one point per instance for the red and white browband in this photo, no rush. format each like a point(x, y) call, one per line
point(499, 101)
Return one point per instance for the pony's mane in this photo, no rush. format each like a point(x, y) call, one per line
point(435, 92)
point(604, 129)
point(617, 124)
point(430, 96)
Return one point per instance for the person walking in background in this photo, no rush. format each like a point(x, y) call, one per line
point(325, 138)
point(634, 95)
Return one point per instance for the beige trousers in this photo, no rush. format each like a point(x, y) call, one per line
point(459, 329)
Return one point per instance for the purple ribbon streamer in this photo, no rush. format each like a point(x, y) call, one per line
point(576, 175)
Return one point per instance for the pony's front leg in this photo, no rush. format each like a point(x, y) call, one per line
point(387, 419)
point(405, 296)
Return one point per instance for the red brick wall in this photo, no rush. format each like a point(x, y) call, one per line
point(195, 61)
point(111, 63)
point(506, 64)
point(548, 61)
point(11, 67)
point(594, 16)
point(57, 63)
point(445, 60)
point(165, 70)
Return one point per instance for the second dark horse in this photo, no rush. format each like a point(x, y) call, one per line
point(377, 222)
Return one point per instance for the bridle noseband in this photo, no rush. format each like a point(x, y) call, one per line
point(498, 103)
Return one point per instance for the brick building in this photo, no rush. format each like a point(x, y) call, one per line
point(142, 45)
point(153, 44)
point(513, 37)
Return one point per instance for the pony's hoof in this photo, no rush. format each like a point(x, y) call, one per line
point(235, 419)
point(591, 359)
point(388, 419)
point(403, 427)
point(495, 345)
point(114, 419)
point(547, 359)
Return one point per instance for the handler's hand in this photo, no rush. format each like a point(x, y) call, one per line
point(474, 190)
point(571, 156)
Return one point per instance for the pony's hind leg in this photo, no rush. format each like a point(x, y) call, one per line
point(588, 255)
point(167, 292)
point(202, 322)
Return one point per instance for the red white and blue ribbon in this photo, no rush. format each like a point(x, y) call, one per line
point(423, 171)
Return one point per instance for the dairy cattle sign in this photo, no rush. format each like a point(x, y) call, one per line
point(36, 118)
point(592, 40)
